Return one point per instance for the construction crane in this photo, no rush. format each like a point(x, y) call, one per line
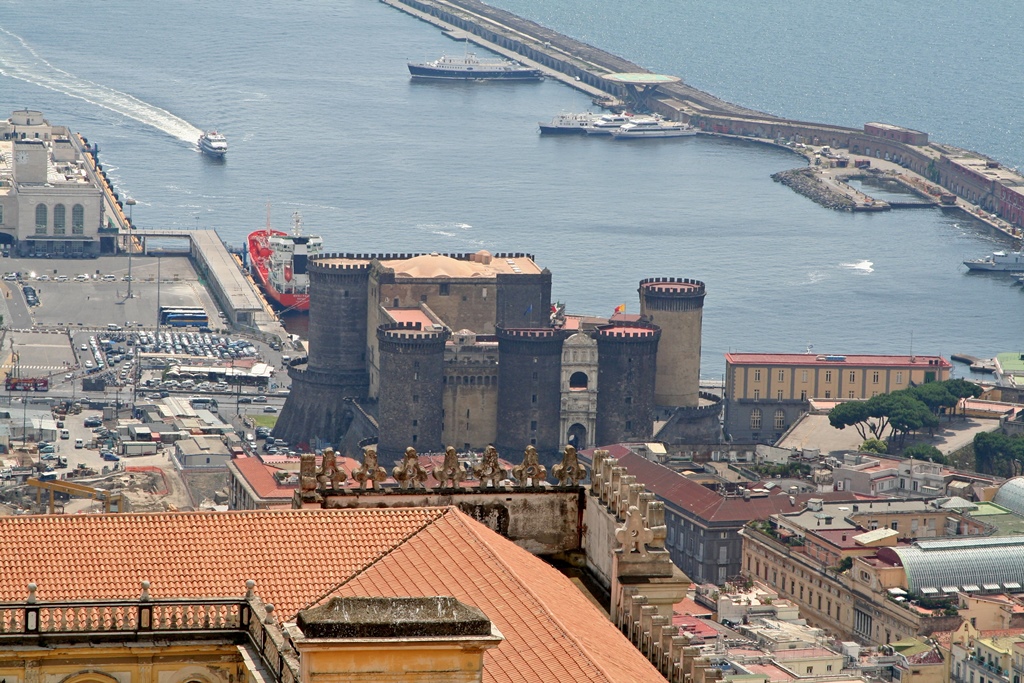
point(112, 502)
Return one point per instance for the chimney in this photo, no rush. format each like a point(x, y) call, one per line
point(424, 640)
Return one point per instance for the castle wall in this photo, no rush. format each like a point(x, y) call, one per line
point(470, 400)
point(524, 301)
point(578, 417)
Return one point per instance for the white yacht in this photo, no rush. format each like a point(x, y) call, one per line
point(213, 143)
point(606, 123)
point(652, 128)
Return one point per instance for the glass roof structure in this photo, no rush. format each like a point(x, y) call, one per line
point(967, 562)
point(1011, 495)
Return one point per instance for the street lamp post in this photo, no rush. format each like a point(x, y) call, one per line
point(130, 202)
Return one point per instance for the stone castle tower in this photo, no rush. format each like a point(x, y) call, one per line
point(626, 370)
point(411, 412)
point(675, 305)
point(529, 395)
point(335, 371)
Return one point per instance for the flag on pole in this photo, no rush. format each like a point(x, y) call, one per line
point(621, 308)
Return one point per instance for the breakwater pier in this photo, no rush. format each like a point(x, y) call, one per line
point(959, 179)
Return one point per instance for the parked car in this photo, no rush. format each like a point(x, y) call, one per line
point(110, 457)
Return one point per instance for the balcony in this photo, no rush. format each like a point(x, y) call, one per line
point(241, 621)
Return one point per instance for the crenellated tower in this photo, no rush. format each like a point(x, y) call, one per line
point(626, 370)
point(676, 305)
point(529, 395)
point(410, 410)
point(335, 370)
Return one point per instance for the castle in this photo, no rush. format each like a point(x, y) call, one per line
point(467, 350)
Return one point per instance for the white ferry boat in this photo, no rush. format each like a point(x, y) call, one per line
point(213, 143)
point(1012, 262)
point(652, 128)
point(471, 67)
point(569, 124)
point(606, 123)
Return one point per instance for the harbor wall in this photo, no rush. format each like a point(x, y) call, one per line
point(584, 66)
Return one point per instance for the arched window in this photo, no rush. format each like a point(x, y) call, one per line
point(40, 219)
point(59, 219)
point(755, 419)
point(578, 380)
point(78, 219)
point(780, 419)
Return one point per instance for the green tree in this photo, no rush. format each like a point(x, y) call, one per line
point(874, 446)
point(935, 395)
point(851, 414)
point(999, 454)
point(923, 451)
point(907, 414)
point(961, 388)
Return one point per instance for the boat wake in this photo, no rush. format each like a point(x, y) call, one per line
point(19, 60)
point(863, 266)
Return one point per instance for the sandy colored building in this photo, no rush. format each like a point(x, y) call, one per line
point(767, 392)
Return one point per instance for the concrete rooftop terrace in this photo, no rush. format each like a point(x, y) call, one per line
point(481, 265)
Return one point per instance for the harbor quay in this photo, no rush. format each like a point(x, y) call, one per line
point(951, 177)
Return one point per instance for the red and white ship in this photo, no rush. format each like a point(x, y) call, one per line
point(279, 261)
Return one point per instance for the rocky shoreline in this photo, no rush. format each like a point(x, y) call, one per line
point(806, 182)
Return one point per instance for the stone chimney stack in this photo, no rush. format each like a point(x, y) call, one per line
point(378, 640)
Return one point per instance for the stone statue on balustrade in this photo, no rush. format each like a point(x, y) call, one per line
point(331, 476)
point(530, 470)
point(369, 474)
point(569, 472)
point(307, 473)
point(410, 473)
point(450, 474)
point(489, 471)
point(634, 535)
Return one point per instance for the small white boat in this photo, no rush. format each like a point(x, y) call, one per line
point(652, 128)
point(213, 143)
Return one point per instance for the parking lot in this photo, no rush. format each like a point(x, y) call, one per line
point(94, 293)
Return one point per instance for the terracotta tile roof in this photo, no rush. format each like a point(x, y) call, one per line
point(293, 555)
point(552, 631)
point(300, 557)
point(262, 480)
point(702, 502)
point(690, 607)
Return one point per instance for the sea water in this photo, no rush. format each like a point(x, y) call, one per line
point(322, 118)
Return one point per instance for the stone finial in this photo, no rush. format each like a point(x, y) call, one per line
point(569, 472)
point(597, 472)
point(32, 594)
point(270, 619)
point(410, 473)
point(250, 589)
point(656, 523)
point(489, 471)
point(607, 465)
point(145, 597)
point(644, 499)
point(307, 473)
point(330, 476)
point(611, 486)
point(634, 534)
point(369, 474)
point(620, 496)
point(451, 471)
point(530, 470)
